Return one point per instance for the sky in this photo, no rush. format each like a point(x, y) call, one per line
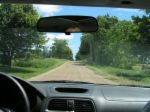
point(74, 39)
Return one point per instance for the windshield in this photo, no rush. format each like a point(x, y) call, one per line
point(117, 54)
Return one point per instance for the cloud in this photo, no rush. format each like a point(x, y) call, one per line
point(47, 10)
point(59, 36)
point(127, 10)
point(51, 38)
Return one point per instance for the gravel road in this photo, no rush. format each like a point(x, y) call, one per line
point(72, 71)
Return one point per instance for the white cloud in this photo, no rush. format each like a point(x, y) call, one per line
point(51, 38)
point(47, 10)
point(127, 10)
point(59, 36)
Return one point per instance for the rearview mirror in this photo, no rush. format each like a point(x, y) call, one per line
point(67, 24)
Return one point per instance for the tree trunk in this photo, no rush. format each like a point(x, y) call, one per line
point(92, 53)
point(6, 60)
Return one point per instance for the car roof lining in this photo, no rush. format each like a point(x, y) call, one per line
point(141, 4)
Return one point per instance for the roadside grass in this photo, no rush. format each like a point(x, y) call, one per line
point(122, 76)
point(31, 68)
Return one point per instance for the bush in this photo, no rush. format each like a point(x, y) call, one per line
point(146, 68)
point(124, 61)
point(137, 67)
point(30, 56)
point(36, 63)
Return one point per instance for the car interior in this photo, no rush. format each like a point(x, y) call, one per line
point(20, 95)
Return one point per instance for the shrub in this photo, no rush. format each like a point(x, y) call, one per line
point(36, 63)
point(146, 68)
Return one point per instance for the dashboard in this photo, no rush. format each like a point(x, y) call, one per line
point(76, 97)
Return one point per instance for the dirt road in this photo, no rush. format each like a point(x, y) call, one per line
point(72, 71)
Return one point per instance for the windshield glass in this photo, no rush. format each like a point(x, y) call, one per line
point(118, 53)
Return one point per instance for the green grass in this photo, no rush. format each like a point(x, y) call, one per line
point(28, 69)
point(122, 76)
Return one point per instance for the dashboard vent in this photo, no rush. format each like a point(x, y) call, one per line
point(83, 106)
point(71, 104)
point(71, 90)
point(58, 105)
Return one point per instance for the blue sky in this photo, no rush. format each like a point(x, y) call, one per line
point(74, 39)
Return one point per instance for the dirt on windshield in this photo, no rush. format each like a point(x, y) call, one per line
point(72, 71)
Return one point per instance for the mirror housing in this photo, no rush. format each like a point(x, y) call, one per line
point(67, 24)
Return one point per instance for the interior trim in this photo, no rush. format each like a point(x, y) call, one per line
point(141, 4)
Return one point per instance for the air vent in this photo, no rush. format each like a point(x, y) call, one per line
point(58, 105)
point(71, 90)
point(83, 106)
point(71, 104)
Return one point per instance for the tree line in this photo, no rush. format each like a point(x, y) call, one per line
point(19, 38)
point(119, 43)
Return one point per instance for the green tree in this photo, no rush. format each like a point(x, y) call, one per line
point(60, 49)
point(121, 44)
point(112, 44)
point(84, 50)
point(143, 28)
point(17, 31)
point(97, 41)
point(147, 11)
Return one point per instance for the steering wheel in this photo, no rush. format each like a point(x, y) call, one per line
point(147, 107)
point(10, 85)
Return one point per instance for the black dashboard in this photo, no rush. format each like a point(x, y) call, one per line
point(76, 97)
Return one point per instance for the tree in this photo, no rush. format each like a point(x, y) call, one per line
point(84, 49)
point(60, 49)
point(97, 41)
point(143, 28)
point(121, 44)
point(112, 44)
point(17, 31)
point(147, 11)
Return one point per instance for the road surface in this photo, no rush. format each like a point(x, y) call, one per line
point(72, 71)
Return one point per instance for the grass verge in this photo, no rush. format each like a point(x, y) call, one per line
point(31, 68)
point(122, 76)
